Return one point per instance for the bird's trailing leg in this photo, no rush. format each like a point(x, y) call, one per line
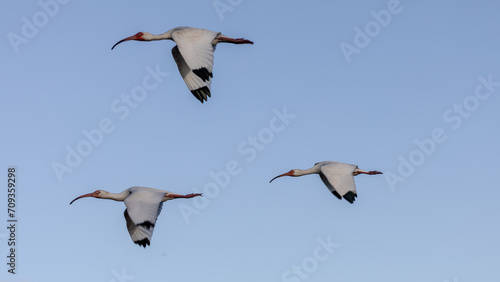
point(233, 40)
point(371, 172)
point(176, 196)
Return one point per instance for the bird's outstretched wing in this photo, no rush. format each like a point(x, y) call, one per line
point(194, 55)
point(339, 180)
point(143, 208)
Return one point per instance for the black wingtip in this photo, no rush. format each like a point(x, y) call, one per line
point(201, 93)
point(203, 73)
point(143, 242)
point(350, 196)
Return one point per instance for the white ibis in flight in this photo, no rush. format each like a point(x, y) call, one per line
point(194, 54)
point(338, 177)
point(143, 207)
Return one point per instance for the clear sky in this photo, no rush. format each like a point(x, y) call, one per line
point(409, 88)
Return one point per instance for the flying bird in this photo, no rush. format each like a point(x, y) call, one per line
point(338, 177)
point(143, 207)
point(194, 54)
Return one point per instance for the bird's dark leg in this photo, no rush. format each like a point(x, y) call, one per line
point(234, 40)
point(371, 172)
point(175, 196)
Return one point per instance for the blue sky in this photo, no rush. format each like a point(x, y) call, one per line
point(409, 88)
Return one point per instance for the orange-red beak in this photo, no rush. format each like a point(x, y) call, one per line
point(93, 194)
point(137, 36)
point(290, 173)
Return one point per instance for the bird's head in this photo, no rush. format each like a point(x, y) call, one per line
point(290, 173)
point(140, 36)
point(95, 194)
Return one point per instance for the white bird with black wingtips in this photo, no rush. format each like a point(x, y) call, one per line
point(194, 54)
point(143, 207)
point(338, 177)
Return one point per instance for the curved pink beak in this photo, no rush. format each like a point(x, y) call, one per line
point(290, 173)
point(84, 196)
point(137, 36)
